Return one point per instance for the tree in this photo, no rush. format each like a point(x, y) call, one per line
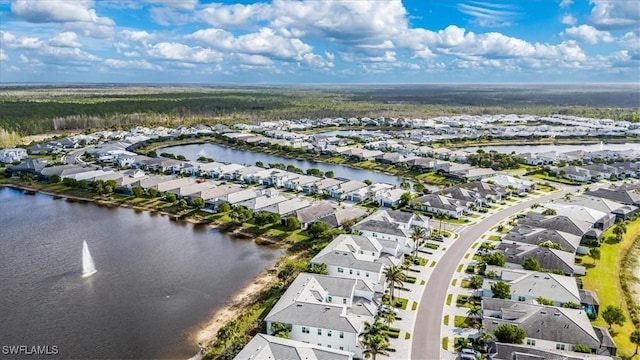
point(317, 229)
point(405, 185)
point(55, 178)
point(224, 207)
point(549, 212)
point(228, 332)
point(571, 305)
point(501, 290)
point(613, 315)
point(329, 174)
point(280, 330)
point(182, 204)
point(137, 191)
point(594, 253)
point(314, 172)
point(544, 301)
point(581, 348)
point(170, 197)
point(197, 203)
point(530, 263)
point(635, 339)
point(373, 329)
point(405, 199)
point(475, 313)
point(373, 346)
point(550, 244)
point(389, 318)
point(476, 282)
point(318, 269)
point(619, 230)
point(367, 182)
point(293, 223)
point(259, 163)
point(394, 276)
point(509, 333)
point(153, 192)
point(417, 235)
point(494, 259)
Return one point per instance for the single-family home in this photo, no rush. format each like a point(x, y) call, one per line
point(531, 235)
point(264, 346)
point(259, 203)
point(287, 207)
point(549, 259)
point(547, 327)
point(340, 191)
point(514, 184)
point(343, 216)
point(623, 196)
point(439, 204)
point(389, 198)
point(12, 155)
point(313, 213)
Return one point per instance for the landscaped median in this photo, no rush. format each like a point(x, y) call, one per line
point(604, 279)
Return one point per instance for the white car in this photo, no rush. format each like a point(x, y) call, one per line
point(388, 309)
point(468, 354)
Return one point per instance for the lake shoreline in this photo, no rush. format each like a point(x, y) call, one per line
point(204, 334)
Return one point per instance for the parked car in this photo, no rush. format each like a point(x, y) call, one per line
point(438, 238)
point(388, 309)
point(468, 354)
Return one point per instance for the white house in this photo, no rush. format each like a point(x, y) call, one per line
point(11, 155)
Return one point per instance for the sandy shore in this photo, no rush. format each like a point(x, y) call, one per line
point(206, 333)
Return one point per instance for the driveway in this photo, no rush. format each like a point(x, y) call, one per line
point(427, 339)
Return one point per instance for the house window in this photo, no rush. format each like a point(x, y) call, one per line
point(341, 335)
point(350, 271)
point(358, 273)
point(340, 270)
point(559, 346)
point(305, 330)
point(341, 347)
point(344, 301)
point(374, 234)
point(319, 331)
point(329, 346)
point(329, 299)
point(329, 333)
point(366, 274)
point(531, 342)
point(521, 298)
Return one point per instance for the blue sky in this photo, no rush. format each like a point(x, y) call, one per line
point(320, 41)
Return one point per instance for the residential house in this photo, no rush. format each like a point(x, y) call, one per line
point(313, 213)
point(320, 186)
point(527, 286)
point(620, 210)
point(389, 198)
point(368, 192)
point(341, 190)
point(260, 203)
point(264, 346)
point(504, 351)
point(357, 257)
point(298, 181)
point(562, 223)
point(602, 171)
point(343, 216)
point(192, 190)
point(623, 196)
point(547, 327)
point(575, 173)
point(526, 234)
point(549, 259)
point(485, 191)
point(600, 221)
point(287, 207)
point(12, 155)
point(473, 174)
point(439, 204)
point(29, 166)
point(519, 186)
point(393, 225)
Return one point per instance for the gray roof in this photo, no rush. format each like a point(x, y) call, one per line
point(341, 216)
point(323, 316)
point(549, 323)
point(622, 196)
point(557, 222)
point(267, 347)
point(524, 352)
point(380, 226)
point(399, 216)
point(314, 212)
point(556, 287)
point(348, 260)
point(593, 202)
point(549, 259)
point(533, 236)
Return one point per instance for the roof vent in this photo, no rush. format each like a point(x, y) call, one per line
point(557, 314)
point(543, 312)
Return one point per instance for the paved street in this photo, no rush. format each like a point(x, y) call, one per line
point(427, 337)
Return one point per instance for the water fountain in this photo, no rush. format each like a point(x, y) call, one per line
point(88, 266)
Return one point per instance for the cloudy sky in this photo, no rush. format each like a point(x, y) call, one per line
point(320, 41)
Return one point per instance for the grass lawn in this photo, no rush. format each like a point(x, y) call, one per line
point(454, 282)
point(446, 320)
point(407, 336)
point(414, 306)
point(604, 279)
point(403, 303)
point(445, 343)
point(459, 268)
point(466, 284)
point(494, 238)
point(462, 322)
point(555, 179)
point(449, 298)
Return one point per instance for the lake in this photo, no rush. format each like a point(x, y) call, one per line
point(230, 155)
point(157, 279)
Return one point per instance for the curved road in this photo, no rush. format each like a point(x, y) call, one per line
point(427, 343)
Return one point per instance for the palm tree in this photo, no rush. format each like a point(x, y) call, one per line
point(228, 332)
point(389, 318)
point(417, 235)
point(371, 330)
point(635, 338)
point(394, 276)
point(475, 313)
point(619, 230)
point(375, 345)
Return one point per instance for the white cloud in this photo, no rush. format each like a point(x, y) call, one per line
point(176, 4)
point(65, 39)
point(588, 34)
point(41, 11)
point(168, 16)
point(56, 54)
point(3, 55)
point(489, 14)
point(23, 42)
point(565, 3)
point(615, 14)
point(217, 14)
point(569, 19)
point(254, 60)
point(131, 64)
point(182, 52)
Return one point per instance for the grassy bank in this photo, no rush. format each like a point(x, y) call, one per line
point(604, 279)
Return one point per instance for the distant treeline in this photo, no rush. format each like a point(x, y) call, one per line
point(35, 112)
